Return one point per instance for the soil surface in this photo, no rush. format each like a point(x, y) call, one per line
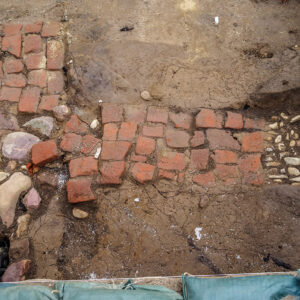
point(174, 50)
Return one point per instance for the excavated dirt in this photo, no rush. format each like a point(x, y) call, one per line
point(173, 49)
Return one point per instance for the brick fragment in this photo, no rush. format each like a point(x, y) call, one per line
point(234, 120)
point(177, 138)
point(225, 157)
point(55, 55)
point(253, 142)
point(12, 29)
point(111, 113)
point(157, 115)
point(251, 168)
point(71, 142)
point(29, 100)
point(12, 44)
point(15, 80)
point(139, 158)
point(207, 118)
point(79, 190)
point(76, 125)
point(205, 179)
point(49, 102)
point(38, 78)
point(221, 139)
point(197, 139)
point(44, 152)
point(33, 28)
point(1, 69)
point(254, 124)
point(127, 131)
point(181, 120)
point(135, 114)
point(142, 172)
point(12, 65)
point(56, 82)
point(180, 177)
point(145, 145)
point(111, 172)
point(153, 131)
point(10, 94)
point(171, 161)
point(199, 159)
point(35, 61)
point(110, 131)
point(114, 150)
point(83, 166)
point(227, 174)
point(89, 142)
point(32, 43)
point(50, 29)
point(166, 174)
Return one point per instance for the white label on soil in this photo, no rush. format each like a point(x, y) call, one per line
point(137, 200)
point(98, 152)
point(198, 233)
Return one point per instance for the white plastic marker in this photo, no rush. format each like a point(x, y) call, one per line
point(136, 200)
point(97, 154)
point(216, 20)
point(100, 101)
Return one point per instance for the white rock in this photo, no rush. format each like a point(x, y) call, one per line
point(282, 171)
point(287, 137)
point(294, 161)
point(79, 214)
point(284, 116)
point(296, 179)
point(283, 154)
point(23, 222)
point(293, 171)
point(9, 195)
point(281, 146)
point(94, 124)
point(273, 164)
point(278, 139)
point(296, 135)
point(295, 119)
point(268, 158)
point(277, 180)
point(281, 124)
point(278, 176)
point(292, 143)
point(292, 132)
point(98, 152)
point(274, 125)
point(3, 176)
point(145, 95)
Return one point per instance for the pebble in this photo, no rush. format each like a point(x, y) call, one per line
point(296, 179)
point(12, 164)
point(294, 161)
point(42, 125)
point(273, 164)
point(292, 143)
point(274, 125)
point(284, 116)
point(9, 195)
point(79, 214)
point(292, 132)
point(295, 119)
point(277, 180)
point(61, 112)
point(296, 183)
point(296, 135)
point(145, 95)
point(287, 137)
point(273, 171)
point(281, 124)
point(293, 171)
point(16, 271)
point(268, 158)
point(281, 146)
point(282, 171)
point(23, 222)
point(17, 145)
point(3, 176)
point(8, 122)
point(278, 176)
point(278, 139)
point(94, 124)
point(32, 199)
point(269, 149)
point(282, 154)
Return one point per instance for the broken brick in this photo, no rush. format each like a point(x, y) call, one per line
point(56, 82)
point(111, 172)
point(35, 61)
point(139, 158)
point(15, 80)
point(157, 115)
point(12, 44)
point(89, 142)
point(114, 150)
point(71, 142)
point(227, 174)
point(205, 179)
point(254, 124)
point(83, 166)
point(251, 168)
point(12, 29)
point(10, 94)
point(180, 177)
point(110, 131)
point(181, 120)
point(49, 102)
point(142, 172)
point(135, 114)
point(221, 139)
point(79, 190)
point(207, 118)
point(111, 113)
point(166, 174)
point(29, 100)
point(225, 157)
point(33, 28)
point(44, 152)
point(197, 139)
point(32, 43)
point(38, 78)
point(12, 65)
point(55, 55)
point(1, 70)
point(199, 159)
point(153, 131)
point(234, 120)
point(171, 161)
point(145, 145)
point(50, 29)
point(76, 125)
point(253, 142)
point(127, 131)
point(177, 138)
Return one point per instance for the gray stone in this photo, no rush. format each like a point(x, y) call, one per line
point(23, 222)
point(61, 112)
point(9, 195)
point(293, 171)
point(8, 122)
point(145, 95)
point(296, 179)
point(294, 161)
point(43, 125)
point(3, 176)
point(79, 214)
point(16, 271)
point(19, 249)
point(17, 145)
point(278, 176)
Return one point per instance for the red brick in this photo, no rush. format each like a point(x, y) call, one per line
point(197, 139)
point(234, 120)
point(89, 142)
point(111, 172)
point(139, 158)
point(177, 138)
point(221, 139)
point(166, 174)
point(76, 125)
point(38, 78)
point(32, 43)
point(12, 44)
point(228, 174)
point(171, 161)
point(225, 157)
point(115, 150)
point(127, 131)
point(207, 118)
point(205, 179)
point(50, 29)
point(44, 152)
point(181, 120)
point(180, 178)
point(145, 145)
point(49, 102)
point(253, 142)
point(55, 55)
point(12, 29)
point(33, 28)
point(110, 131)
point(254, 124)
point(56, 82)
point(153, 131)
point(135, 114)
point(15, 80)
point(1, 70)
point(10, 94)
point(251, 168)
point(71, 142)
point(142, 172)
point(83, 166)
point(12, 65)
point(29, 100)
point(199, 159)
point(35, 61)
point(79, 190)
point(111, 113)
point(157, 115)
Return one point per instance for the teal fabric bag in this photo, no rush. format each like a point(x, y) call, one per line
point(258, 287)
point(11, 291)
point(98, 291)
